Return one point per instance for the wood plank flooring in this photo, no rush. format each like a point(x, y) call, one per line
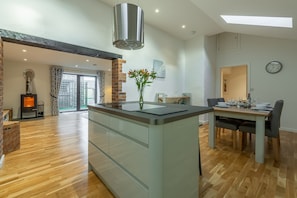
point(232, 173)
point(52, 162)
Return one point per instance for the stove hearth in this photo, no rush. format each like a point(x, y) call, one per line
point(29, 107)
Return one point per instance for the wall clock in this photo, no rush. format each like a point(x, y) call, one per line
point(274, 67)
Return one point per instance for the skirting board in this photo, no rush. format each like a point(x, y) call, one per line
point(2, 161)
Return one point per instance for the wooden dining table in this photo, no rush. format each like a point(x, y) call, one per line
point(245, 114)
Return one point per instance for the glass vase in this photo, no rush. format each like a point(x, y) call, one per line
point(141, 98)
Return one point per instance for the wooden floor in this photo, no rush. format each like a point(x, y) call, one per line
point(52, 162)
point(232, 173)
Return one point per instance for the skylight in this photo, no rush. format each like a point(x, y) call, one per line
point(286, 22)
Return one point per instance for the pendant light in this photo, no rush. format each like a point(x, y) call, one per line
point(128, 26)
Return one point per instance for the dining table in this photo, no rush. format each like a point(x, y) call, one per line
point(251, 114)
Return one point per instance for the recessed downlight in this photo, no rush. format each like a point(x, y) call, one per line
point(157, 10)
point(24, 50)
point(183, 26)
point(25, 59)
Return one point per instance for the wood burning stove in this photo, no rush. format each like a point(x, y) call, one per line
point(28, 105)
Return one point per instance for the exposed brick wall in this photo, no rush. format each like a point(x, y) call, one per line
point(118, 77)
point(11, 136)
point(1, 97)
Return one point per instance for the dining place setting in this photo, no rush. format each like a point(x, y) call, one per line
point(263, 106)
point(244, 117)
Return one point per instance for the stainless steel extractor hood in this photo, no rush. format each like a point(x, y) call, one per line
point(128, 26)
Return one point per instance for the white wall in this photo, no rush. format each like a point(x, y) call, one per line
point(71, 21)
point(194, 69)
point(210, 46)
point(15, 84)
point(160, 46)
point(257, 52)
point(200, 68)
point(90, 25)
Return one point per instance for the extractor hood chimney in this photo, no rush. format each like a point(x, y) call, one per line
point(128, 26)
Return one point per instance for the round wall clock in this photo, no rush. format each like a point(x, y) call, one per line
point(274, 67)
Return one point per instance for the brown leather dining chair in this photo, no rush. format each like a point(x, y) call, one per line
point(272, 126)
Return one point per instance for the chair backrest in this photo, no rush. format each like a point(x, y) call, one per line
point(212, 102)
point(275, 118)
point(221, 99)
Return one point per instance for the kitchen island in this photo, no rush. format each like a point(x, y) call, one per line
point(151, 152)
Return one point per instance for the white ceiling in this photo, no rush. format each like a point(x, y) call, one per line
point(37, 55)
point(201, 17)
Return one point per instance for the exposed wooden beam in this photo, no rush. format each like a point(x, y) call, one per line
point(25, 39)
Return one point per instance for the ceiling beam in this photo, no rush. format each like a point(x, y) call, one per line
point(25, 39)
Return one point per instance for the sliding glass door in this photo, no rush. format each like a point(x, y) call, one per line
point(76, 92)
point(87, 93)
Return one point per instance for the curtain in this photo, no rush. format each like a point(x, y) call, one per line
point(56, 79)
point(101, 82)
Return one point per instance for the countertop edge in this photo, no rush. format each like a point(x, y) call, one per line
point(155, 119)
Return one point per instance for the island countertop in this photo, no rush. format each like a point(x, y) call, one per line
point(151, 113)
point(150, 152)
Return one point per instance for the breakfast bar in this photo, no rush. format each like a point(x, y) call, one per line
point(150, 152)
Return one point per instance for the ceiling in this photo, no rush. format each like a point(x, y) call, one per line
point(37, 55)
point(201, 17)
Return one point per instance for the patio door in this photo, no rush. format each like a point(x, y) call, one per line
point(76, 92)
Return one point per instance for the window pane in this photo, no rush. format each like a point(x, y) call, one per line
point(68, 93)
point(73, 97)
point(87, 91)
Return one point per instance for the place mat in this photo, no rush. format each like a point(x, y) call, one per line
point(162, 111)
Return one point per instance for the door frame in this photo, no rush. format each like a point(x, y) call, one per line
point(78, 94)
point(220, 80)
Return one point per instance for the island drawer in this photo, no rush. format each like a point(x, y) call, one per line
point(128, 128)
point(98, 135)
point(129, 154)
point(116, 178)
point(125, 151)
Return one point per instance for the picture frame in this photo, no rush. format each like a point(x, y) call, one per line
point(159, 68)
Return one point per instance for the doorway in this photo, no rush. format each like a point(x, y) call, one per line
point(234, 82)
point(76, 92)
